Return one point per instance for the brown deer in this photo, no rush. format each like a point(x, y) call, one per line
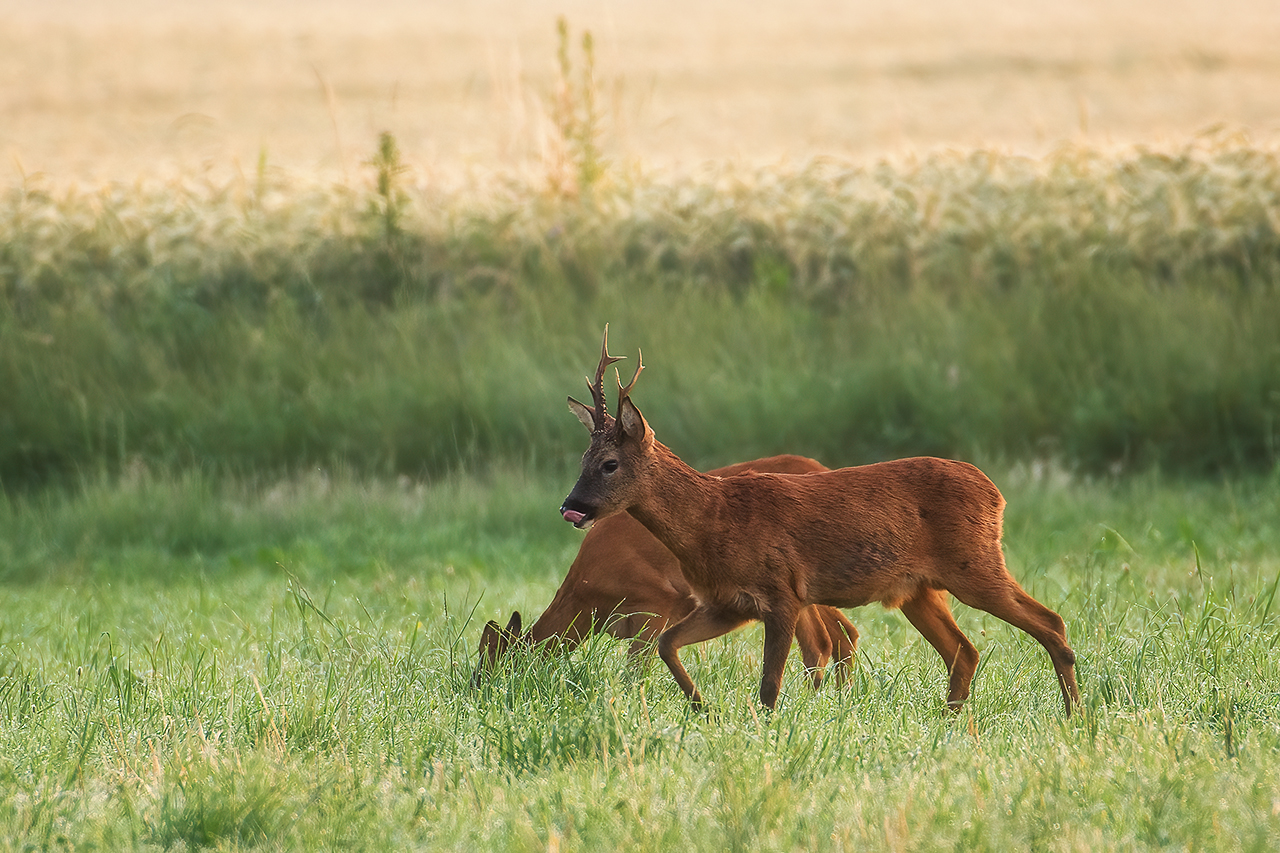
point(625, 583)
point(765, 546)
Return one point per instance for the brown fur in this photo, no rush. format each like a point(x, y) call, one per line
point(626, 583)
point(765, 546)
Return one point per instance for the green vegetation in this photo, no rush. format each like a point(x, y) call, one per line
point(1108, 312)
point(190, 664)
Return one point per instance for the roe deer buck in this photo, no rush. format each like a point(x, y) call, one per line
point(624, 582)
point(764, 546)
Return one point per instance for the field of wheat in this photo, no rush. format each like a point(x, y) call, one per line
point(144, 87)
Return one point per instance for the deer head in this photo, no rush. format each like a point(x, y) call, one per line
point(614, 460)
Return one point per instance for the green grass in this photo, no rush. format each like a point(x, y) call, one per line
point(192, 663)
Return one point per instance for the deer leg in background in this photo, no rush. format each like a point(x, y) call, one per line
point(643, 629)
point(815, 644)
point(706, 622)
point(844, 640)
point(929, 613)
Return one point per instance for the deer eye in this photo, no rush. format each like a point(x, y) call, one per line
point(609, 466)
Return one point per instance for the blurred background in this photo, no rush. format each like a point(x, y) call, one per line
point(114, 90)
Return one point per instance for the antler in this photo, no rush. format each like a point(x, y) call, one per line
point(597, 388)
point(624, 393)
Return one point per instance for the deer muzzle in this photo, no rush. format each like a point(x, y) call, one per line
point(577, 513)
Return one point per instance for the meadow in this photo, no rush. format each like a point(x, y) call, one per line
point(204, 664)
point(290, 300)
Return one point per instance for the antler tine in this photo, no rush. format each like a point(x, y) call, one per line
point(624, 393)
point(597, 387)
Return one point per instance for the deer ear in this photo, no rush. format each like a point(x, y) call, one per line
point(513, 626)
point(585, 413)
point(490, 639)
point(492, 645)
point(632, 423)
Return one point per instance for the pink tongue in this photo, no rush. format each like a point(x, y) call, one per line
point(573, 516)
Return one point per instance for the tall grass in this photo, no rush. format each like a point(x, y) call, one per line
point(1109, 311)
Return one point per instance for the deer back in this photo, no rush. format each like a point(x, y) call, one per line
point(844, 538)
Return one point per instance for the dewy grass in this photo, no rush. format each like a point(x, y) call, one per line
point(320, 697)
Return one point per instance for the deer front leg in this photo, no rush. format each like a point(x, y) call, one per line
point(706, 622)
point(779, 629)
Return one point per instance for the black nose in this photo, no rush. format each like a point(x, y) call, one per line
point(572, 503)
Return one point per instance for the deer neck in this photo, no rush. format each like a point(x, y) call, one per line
point(676, 504)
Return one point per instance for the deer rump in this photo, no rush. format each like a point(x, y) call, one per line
point(625, 583)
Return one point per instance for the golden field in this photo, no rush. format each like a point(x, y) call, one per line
point(138, 87)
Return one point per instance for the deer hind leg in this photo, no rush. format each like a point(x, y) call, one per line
point(1005, 599)
point(815, 644)
point(703, 623)
point(929, 612)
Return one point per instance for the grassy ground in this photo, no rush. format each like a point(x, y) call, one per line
point(188, 664)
